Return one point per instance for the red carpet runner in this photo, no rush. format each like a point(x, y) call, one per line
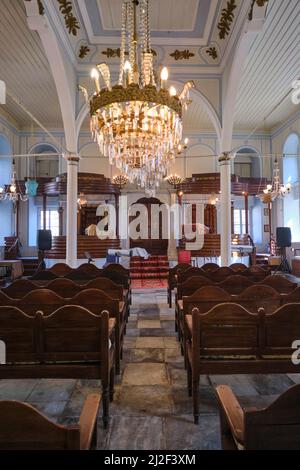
point(149, 274)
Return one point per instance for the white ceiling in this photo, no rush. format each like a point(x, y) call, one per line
point(165, 15)
point(25, 69)
point(273, 64)
point(196, 118)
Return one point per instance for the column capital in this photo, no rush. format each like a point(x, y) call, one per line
point(72, 157)
point(224, 157)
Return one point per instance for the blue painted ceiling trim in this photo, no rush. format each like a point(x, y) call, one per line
point(198, 32)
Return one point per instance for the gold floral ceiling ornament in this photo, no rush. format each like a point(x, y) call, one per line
point(180, 55)
point(212, 52)
point(66, 9)
point(83, 51)
point(226, 19)
point(137, 123)
point(110, 53)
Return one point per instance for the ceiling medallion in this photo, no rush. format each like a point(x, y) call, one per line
point(137, 123)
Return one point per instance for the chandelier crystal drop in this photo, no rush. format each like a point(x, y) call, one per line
point(13, 192)
point(276, 189)
point(137, 123)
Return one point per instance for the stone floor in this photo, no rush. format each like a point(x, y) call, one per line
point(151, 409)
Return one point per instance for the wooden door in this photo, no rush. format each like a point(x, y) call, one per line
point(153, 246)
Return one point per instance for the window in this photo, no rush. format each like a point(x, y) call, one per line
point(239, 221)
point(52, 221)
point(242, 169)
point(291, 203)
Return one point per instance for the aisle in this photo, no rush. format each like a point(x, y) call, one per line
point(152, 409)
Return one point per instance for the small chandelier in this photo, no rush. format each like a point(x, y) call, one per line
point(175, 180)
point(81, 201)
point(276, 189)
point(13, 192)
point(120, 180)
point(137, 123)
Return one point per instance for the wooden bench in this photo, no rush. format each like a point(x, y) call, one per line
point(231, 340)
point(92, 299)
point(23, 427)
point(172, 279)
point(204, 299)
point(72, 342)
point(272, 428)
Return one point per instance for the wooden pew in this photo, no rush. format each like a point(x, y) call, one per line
point(71, 342)
point(92, 299)
point(23, 427)
point(275, 427)
point(172, 279)
point(280, 283)
point(252, 298)
point(209, 267)
point(230, 340)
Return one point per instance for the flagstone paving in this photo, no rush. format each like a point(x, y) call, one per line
point(151, 408)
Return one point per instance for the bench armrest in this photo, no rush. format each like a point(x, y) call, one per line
point(88, 420)
point(232, 410)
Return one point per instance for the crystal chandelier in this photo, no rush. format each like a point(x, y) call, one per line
point(175, 180)
point(13, 192)
point(137, 123)
point(276, 189)
point(81, 201)
point(120, 180)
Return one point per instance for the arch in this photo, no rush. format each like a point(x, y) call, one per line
point(36, 163)
point(252, 154)
point(198, 160)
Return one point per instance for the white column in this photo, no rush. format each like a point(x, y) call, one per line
point(225, 175)
point(71, 220)
point(172, 246)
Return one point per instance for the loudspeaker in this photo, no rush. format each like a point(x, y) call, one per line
point(283, 237)
point(44, 240)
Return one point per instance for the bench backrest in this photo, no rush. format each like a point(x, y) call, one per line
point(70, 333)
point(277, 426)
point(281, 329)
point(259, 296)
point(291, 298)
point(19, 288)
point(205, 299)
point(22, 427)
point(209, 267)
point(235, 284)
point(280, 283)
point(189, 286)
point(227, 329)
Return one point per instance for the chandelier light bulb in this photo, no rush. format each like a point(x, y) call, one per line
point(164, 75)
point(172, 91)
point(12, 188)
point(186, 141)
point(269, 187)
point(1, 190)
point(179, 149)
point(95, 77)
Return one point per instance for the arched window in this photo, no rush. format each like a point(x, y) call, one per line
point(45, 165)
point(247, 163)
point(291, 203)
point(5, 178)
